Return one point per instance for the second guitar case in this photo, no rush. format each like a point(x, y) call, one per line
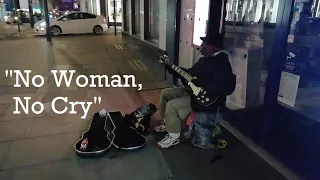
point(122, 135)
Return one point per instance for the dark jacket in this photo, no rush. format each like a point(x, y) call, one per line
point(215, 75)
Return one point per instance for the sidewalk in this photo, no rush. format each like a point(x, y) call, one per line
point(40, 146)
point(190, 163)
point(8, 32)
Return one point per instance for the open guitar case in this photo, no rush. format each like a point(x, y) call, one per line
point(95, 140)
point(113, 129)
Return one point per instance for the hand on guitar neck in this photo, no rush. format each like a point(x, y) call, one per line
point(200, 95)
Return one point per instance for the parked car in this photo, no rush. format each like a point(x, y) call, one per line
point(18, 16)
point(73, 23)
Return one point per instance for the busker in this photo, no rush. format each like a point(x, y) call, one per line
point(213, 72)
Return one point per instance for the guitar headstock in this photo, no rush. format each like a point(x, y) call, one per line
point(164, 59)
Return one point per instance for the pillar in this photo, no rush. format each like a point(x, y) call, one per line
point(141, 16)
point(216, 16)
point(163, 24)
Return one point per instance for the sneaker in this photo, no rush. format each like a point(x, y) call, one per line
point(160, 128)
point(167, 142)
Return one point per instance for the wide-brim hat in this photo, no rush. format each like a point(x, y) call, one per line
point(215, 40)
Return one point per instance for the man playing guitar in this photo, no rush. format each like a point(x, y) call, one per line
point(213, 73)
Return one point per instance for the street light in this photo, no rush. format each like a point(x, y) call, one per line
point(31, 13)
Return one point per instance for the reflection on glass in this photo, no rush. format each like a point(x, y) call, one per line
point(118, 13)
point(250, 37)
point(300, 80)
point(154, 20)
point(137, 17)
point(252, 10)
point(127, 17)
point(200, 21)
point(315, 8)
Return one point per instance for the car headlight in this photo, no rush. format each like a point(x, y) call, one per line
point(43, 24)
point(16, 18)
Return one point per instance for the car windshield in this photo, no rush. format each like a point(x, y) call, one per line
point(20, 13)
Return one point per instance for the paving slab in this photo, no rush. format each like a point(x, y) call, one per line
point(146, 164)
point(14, 130)
point(33, 151)
point(6, 174)
point(9, 116)
point(8, 90)
point(152, 96)
point(4, 148)
point(58, 125)
point(3, 108)
point(54, 171)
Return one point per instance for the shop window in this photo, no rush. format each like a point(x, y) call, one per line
point(242, 11)
point(126, 15)
point(154, 20)
point(200, 21)
point(250, 41)
point(137, 17)
point(115, 12)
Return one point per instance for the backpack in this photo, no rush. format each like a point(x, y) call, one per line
point(141, 117)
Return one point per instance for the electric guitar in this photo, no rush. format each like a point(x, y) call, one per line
point(200, 95)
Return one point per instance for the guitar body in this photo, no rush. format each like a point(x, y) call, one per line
point(94, 141)
point(200, 95)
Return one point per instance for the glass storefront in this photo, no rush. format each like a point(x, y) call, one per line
point(115, 16)
point(249, 31)
point(300, 88)
point(256, 40)
point(154, 20)
point(298, 121)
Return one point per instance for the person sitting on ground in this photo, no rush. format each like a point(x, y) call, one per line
point(214, 74)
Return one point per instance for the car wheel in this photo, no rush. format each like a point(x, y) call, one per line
point(97, 30)
point(55, 30)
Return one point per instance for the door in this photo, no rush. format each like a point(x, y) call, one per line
point(88, 21)
point(70, 23)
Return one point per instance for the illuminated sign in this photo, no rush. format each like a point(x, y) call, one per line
point(201, 17)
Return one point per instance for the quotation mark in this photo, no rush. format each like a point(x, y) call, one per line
point(9, 72)
point(97, 100)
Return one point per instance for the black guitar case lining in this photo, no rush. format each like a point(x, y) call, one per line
point(124, 136)
point(95, 140)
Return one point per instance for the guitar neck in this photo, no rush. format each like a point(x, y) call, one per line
point(181, 72)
